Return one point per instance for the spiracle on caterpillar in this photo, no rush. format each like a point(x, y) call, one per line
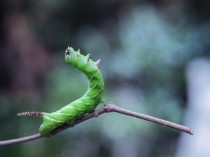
point(80, 107)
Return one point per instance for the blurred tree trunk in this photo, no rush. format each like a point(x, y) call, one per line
point(198, 112)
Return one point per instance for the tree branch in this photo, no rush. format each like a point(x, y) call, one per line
point(107, 108)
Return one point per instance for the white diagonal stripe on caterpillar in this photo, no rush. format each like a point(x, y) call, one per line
point(74, 106)
point(57, 121)
point(87, 104)
point(91, 88)
point(66, 114)
point(78, 108)
point(91, 97)
point(91, 78)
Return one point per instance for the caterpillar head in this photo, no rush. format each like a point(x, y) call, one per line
point(69, 50)
point(73, 57)
point(70, 54)
point(81, 62)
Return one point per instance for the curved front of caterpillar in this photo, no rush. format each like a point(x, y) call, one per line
point(86, 104)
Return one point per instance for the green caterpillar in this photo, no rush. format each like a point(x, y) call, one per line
point(78, 108)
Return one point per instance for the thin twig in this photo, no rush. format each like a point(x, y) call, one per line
point(107, 108)
point(20, 140)
point(176, 126)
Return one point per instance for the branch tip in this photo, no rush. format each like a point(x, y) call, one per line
point(191, 132)
point(35, 114)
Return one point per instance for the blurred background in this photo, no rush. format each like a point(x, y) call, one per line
point(155, 60)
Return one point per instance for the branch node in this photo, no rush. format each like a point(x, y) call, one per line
point(96, 113)
point(109, 107)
